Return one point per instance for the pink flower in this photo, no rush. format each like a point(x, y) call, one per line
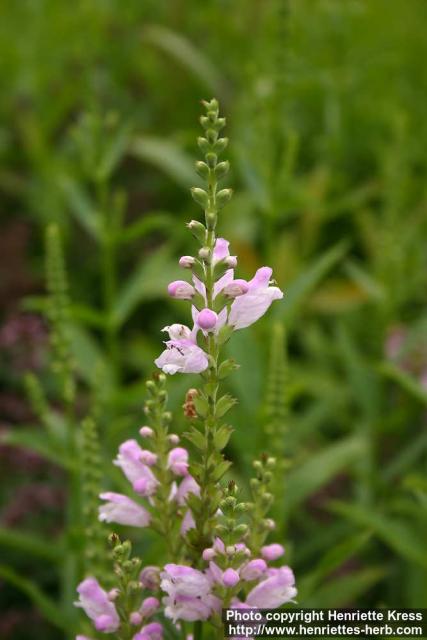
point(254, 569)
point(129, 459)
point(135, 618)
point(236, 288)
point(188, 485)
point(185, 581)
point(272, 552)
point(181, 289)
point(150, 577)
point(94, 601)
point(146, 432)
point(221, 250)
point(178, 461)
point(149, 606)
point(274, 591)
point(186, 262)
point(207, 319)
point(123, 510)
point(182, 354)
point(249, 307)
point(187, 523)
point(230, 578)
point(152, 631)
point(188, 594)
point(148, 457)
point(83, 638)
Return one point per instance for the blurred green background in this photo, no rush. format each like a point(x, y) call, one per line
point(326, 110)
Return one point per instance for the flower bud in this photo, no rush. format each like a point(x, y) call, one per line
point(150, 577)
point(198, 230)
point(231, 261)
point(208, 554)
point(230, 578)
point(211, 220)
point(207, 319)
point(204, 253)
point(200, 196)
point(186, 262)
point(241, 529)
point(135, 618)
point(223, 196)
point(202, 169)
point(113, 594)
point(220, 144)
point(211, 159)
point(222, 168)
point(272, 552)
point(254, 569)
point(204, 145)
point(236, 288)
point(148, 457)
point(149, 606)
point(181, 290)
point(146, 432)
point(173, 438)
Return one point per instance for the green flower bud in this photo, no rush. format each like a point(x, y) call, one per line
point(200, 196)
point(220, 145)
point(204, 145)
point(219, 124)
point(223, 196)
point(202, 169)
point(211, 159)
point(211, 220)
point(222, 168)
point(198, 230)
point(211, 136)
point(241, 529)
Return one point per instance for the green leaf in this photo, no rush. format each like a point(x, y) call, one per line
point(113, 153)
point(36, 440)
point(224, 404)
point(320, 467)
point(222, 436)
point(149, 281)
point(81, 206)
point(397, 534)
point(220, 470)
point(333, 558)
point(301, 288)
point(168, 157)
point(201, 405)
point(149, 223)
point(407, 382)
point(187, 54)
point(87, 353)
point(47, 607)
point(196, 437)
point(343, 591)
point(30, 543)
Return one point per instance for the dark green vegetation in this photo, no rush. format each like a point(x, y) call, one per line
point(325, 102)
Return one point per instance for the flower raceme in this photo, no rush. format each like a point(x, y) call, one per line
point(214, 558)
point(240, 304)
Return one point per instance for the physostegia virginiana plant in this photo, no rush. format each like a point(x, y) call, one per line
point(217, 554)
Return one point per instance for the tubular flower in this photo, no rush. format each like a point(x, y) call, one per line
point(189, 594)
point(129, 459)
point(97, 606)
point(273, 592)
point(122, 510)
point(181, 354)
point(251, 306)
point(178, 461)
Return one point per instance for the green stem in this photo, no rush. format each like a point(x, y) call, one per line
point(198, 630)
